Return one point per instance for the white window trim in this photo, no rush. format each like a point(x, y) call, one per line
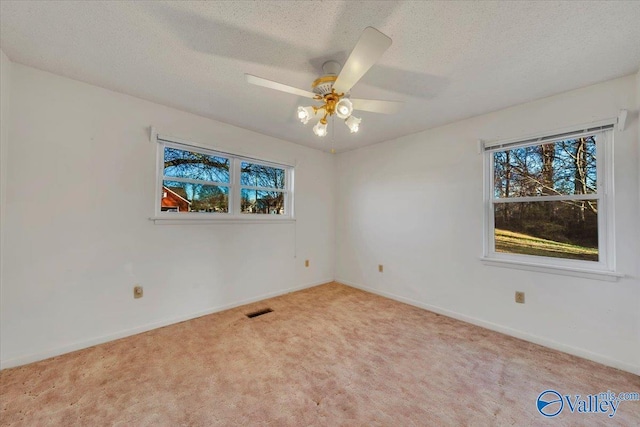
point(610, 276)
point(604, 268)
point(234, 216)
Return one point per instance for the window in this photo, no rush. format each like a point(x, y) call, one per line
point(549, 200)
point(262, 189)
point(195, 182)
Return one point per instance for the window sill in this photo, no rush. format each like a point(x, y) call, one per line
point(609, 276)
point(165, 220)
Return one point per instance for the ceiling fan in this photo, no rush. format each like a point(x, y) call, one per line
point(332, 89)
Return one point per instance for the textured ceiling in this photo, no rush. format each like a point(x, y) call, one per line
point(448, 60)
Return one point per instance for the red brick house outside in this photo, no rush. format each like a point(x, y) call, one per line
point(174, 200)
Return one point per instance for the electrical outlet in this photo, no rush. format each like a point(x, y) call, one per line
point(380, 268)
point(520, 297)
point(137, 291)
point(306, 263)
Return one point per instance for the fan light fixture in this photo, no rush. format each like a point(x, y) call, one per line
point(332, 89)
point(333, 102)
point(305, 114)
point(353, 123)
point(344, 108)
point(320, 128)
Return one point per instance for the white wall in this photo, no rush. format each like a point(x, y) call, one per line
point(80, 189)
point(637, 117)
point(415, 205)
point(5, 89)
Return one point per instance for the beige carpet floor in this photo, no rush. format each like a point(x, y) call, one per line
point(326, 356)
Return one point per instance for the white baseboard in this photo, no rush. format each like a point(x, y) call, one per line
point(576, 351)
point(23, 360)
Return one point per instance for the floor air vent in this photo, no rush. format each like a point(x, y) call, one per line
point(259, 313)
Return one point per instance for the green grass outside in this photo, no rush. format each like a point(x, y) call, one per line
point(518, 243)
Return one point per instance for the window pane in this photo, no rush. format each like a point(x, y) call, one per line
point(262, 202)
point(257, 175)
point(189, 164)
point(560, 168)
point(567, 229)
point(187, 197)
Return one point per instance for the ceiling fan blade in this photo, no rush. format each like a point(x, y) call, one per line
point(376, 106)
point(370, 47)
point(259, 81)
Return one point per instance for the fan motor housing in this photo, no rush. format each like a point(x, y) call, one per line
point(323, 85)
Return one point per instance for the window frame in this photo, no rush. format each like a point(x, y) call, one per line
point(234, 213)
point(605, 266)
point(242, 186)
